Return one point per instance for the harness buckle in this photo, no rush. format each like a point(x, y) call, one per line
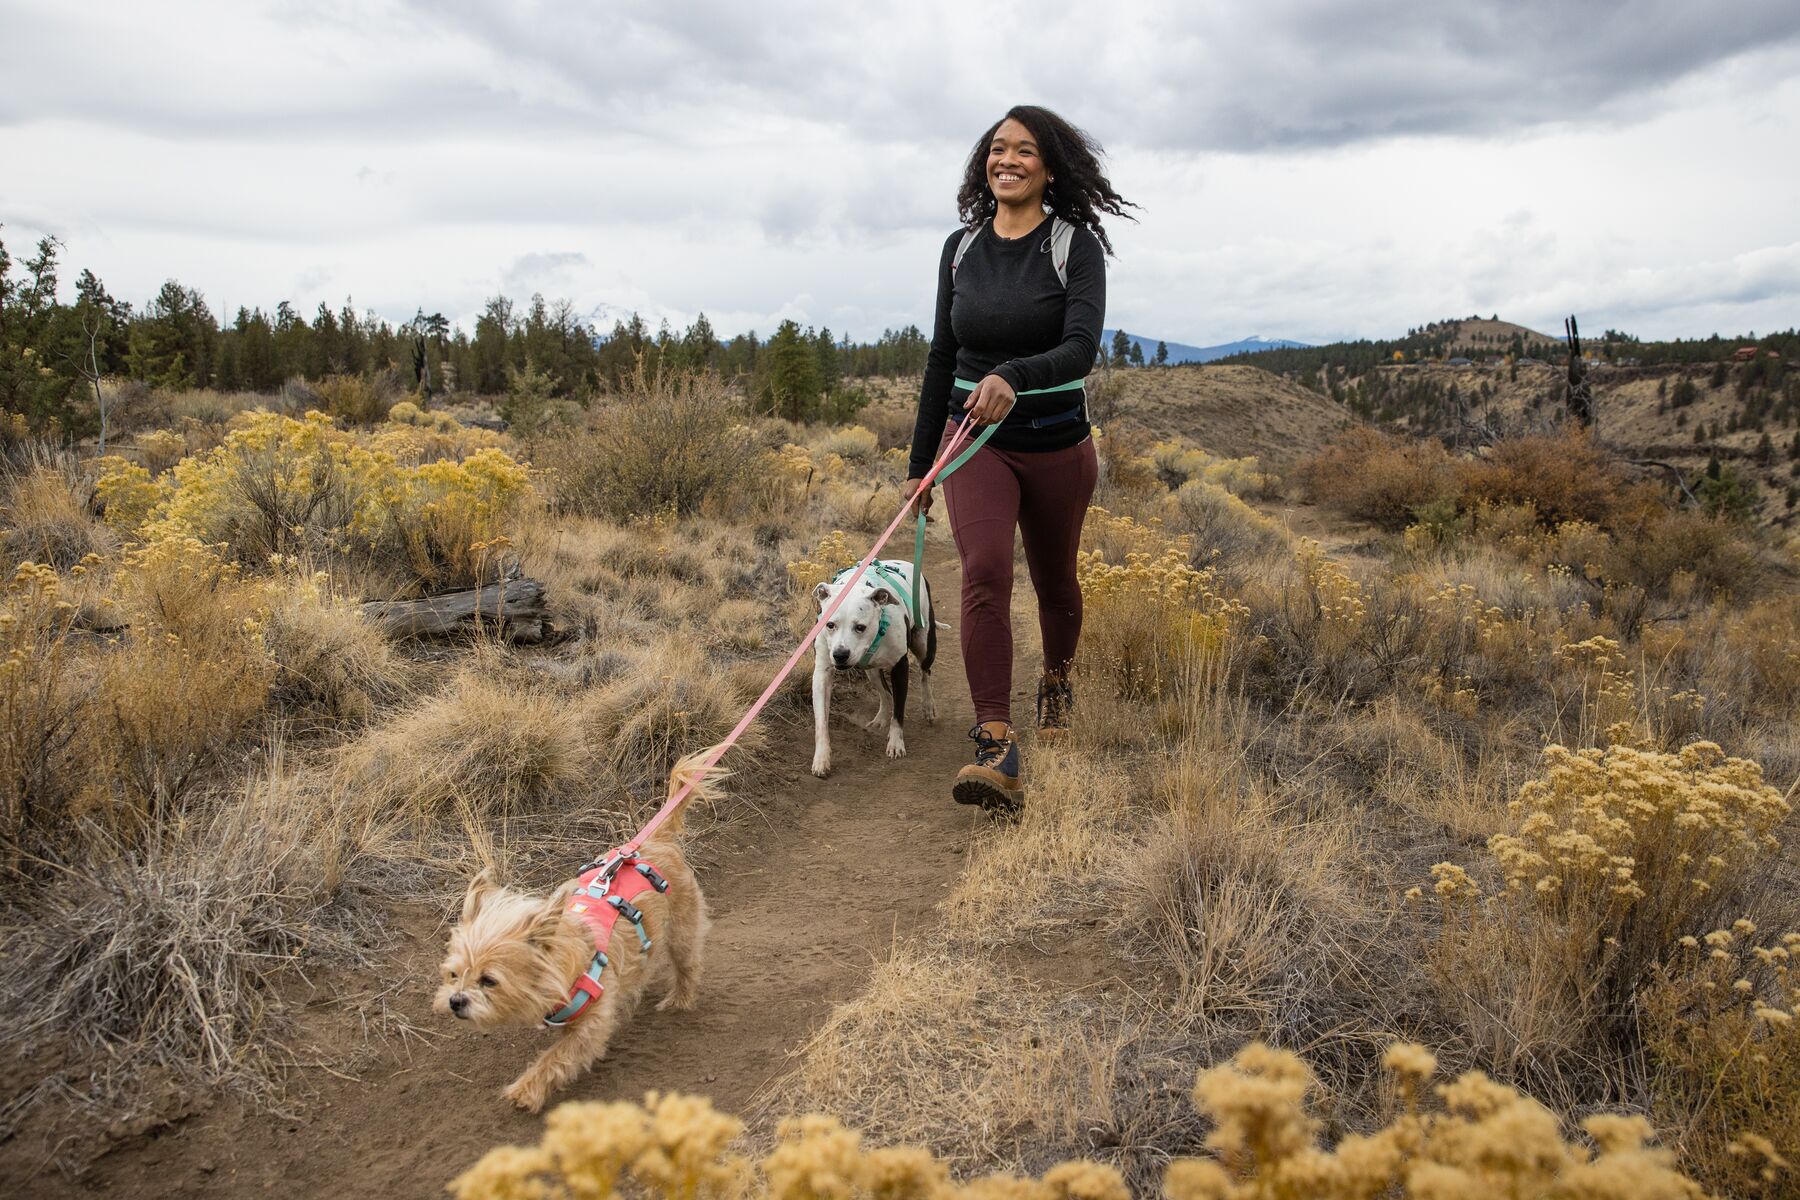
point(649, 873)
point(627, 909)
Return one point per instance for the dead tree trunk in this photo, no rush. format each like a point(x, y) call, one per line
point(1581, 395)
point(515, 608)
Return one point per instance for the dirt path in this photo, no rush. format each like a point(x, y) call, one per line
point(804, 898)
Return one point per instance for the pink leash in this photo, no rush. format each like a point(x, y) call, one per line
point(964, 430)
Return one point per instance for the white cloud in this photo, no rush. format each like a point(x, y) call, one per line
point(1306, 168)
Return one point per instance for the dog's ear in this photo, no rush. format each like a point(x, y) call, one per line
point(549, 917)
point(882, 597)
point(822, 593)
point(480, 888)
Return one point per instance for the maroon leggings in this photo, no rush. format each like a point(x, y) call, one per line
point(1045, 496)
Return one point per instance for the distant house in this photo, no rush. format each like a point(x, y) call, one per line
point(1744, 354)
point(1458, 361)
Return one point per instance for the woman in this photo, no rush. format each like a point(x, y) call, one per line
point(1011, 344)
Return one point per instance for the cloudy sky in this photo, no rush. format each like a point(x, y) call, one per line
point(1305, 168)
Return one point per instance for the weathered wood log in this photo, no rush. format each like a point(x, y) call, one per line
point(515, 606)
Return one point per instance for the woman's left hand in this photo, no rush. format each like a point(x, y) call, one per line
point(991, 400)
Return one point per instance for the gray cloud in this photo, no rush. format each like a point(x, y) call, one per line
point(1282, 74)
point(1306, 167)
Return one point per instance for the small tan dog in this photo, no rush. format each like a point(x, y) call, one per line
point(514, 958)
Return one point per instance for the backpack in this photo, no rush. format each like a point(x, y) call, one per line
point(1062, 235)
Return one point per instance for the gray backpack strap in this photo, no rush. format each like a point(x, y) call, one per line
point(962, 248)
point(1062, 236)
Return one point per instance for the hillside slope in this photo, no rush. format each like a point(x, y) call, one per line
point(1231, 410)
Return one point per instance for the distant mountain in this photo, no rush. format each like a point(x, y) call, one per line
point(1182, 353)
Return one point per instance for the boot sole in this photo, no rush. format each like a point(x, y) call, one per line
point(989, 797)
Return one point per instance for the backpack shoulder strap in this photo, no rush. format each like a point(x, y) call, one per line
point(962, 248)
point(1062, 236)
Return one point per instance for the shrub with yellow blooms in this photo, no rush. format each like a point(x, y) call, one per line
point(1722, 1032)
point(1150, 621)
point(1485, 1140)
point(278, 487)
point(42, 703)
point(1618, 853)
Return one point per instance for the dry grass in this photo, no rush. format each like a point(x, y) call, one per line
point(489, 744)
point(48, 517)
point(1377, 478)
point(1058, 857)
point(332, 668)
point(655, 449)
point(990, 1070)
point(155, 961)
point(1245, 907)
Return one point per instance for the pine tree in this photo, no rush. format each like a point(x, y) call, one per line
point(1121, 348)
point(789, 370)
point(490, 348)
point(1162, 354)
point(1137, 354)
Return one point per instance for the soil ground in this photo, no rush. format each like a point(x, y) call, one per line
point(806, 893)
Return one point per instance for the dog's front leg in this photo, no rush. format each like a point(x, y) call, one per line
point(575, 1051)
point(883, 700)
point(821, 764)
point(896, 746)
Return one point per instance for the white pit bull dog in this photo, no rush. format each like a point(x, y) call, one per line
point(873, 631)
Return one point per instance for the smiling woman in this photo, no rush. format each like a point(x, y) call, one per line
point(1020, 301)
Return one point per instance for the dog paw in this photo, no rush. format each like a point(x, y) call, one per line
point(527, 1093)
point(681, 1000)
point(896, 747)
point(821, 767)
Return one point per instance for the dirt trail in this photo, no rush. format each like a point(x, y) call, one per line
point(805, 896)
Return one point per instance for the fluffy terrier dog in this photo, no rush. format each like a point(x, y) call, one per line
point(514, 957)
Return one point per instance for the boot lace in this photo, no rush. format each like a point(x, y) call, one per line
point(988, 748)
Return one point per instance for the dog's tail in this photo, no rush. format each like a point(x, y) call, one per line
point(701, 781)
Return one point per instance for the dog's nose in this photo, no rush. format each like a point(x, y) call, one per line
point(840, 657)
point(459, 1004)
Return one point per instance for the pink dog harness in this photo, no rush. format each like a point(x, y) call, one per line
point(600, 898)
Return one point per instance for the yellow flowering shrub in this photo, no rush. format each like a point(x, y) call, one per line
point(1487, 1141)
point(1482, 1140)
point(160, 449)
point(1619, 852)
point(850, 443)
point(279, 488)
point(1178, 463)
point(831, 555)
point(1597, 683)
point(127, 493)
point(1722, 1035)
point(194, 674)
point(1151, 620)
point(42, 700)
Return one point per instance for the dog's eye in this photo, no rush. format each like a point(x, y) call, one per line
point(831, 624)
point(861, 628)
point(486, 981)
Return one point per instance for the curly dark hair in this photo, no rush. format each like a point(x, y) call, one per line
point(1081, 191)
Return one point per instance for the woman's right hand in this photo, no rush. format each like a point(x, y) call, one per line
point(923, 503)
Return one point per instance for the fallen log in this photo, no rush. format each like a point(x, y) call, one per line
point(515, 607)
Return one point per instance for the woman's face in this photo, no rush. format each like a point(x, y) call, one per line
point(1015, 168)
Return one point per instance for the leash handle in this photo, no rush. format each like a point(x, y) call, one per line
point(955, 445)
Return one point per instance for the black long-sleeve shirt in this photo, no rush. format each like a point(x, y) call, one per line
point(1006, 313)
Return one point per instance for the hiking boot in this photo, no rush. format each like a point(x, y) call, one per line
point(1056, 699)
point(992, 780)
